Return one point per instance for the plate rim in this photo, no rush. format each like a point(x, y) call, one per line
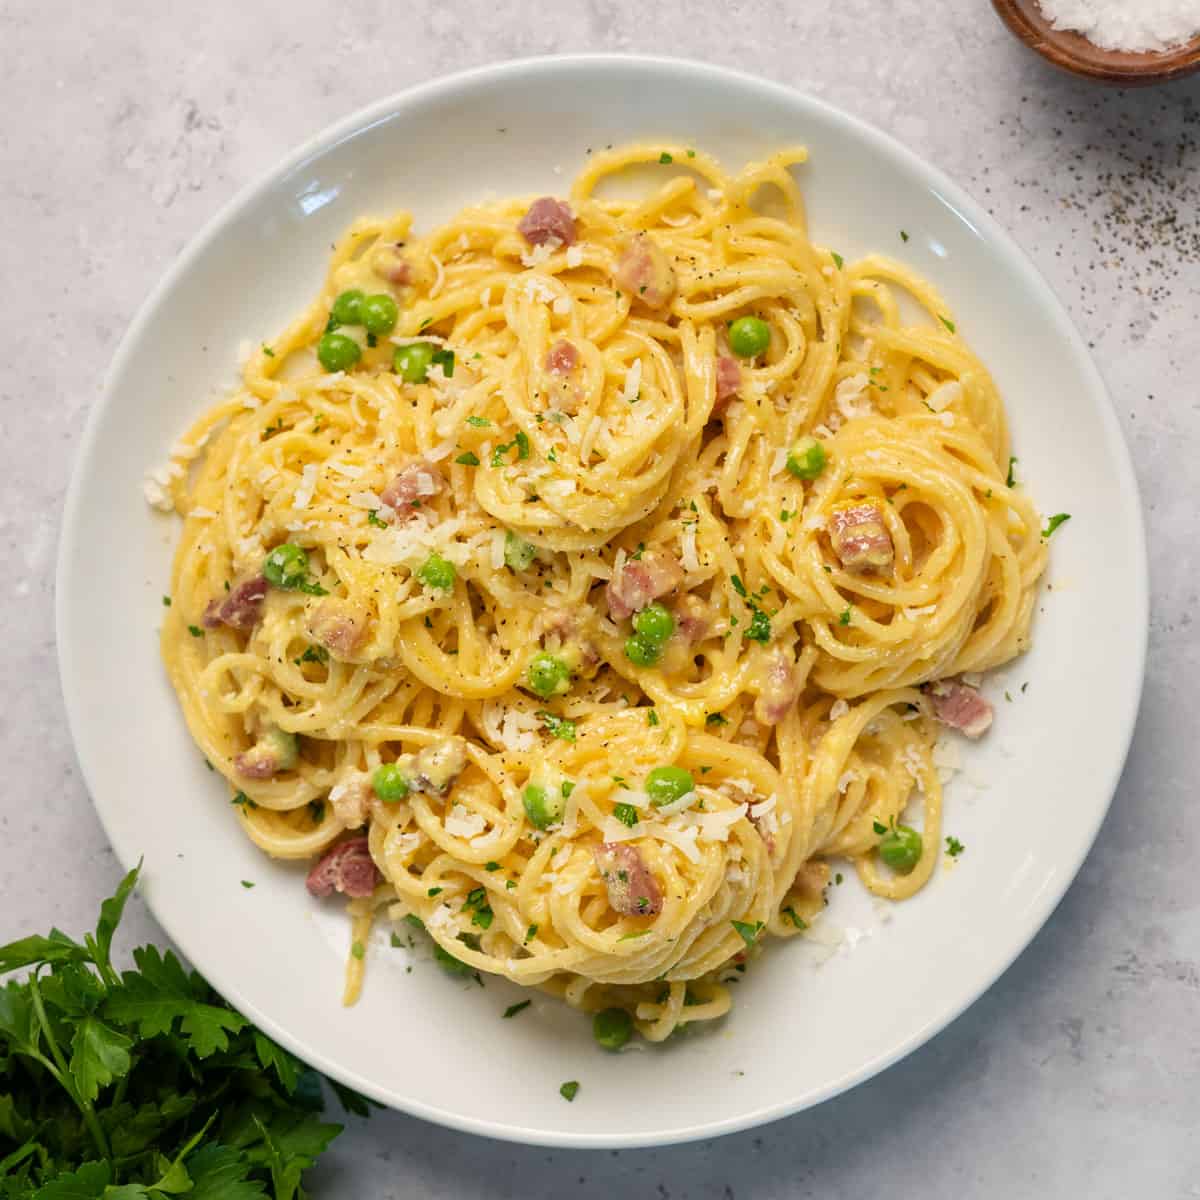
point(966, 208)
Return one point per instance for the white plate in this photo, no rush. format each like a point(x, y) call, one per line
point(800, 1032)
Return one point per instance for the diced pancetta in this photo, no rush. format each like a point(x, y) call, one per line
point(347, 868)
point(641, 580)
point(547, 218)
point(644, 272)
point(632, 889)
point(562, 358)
point(960, 706)
point(388, 263)
point(412, 488)
point(780, 689)
point(694, 618)
point(338, 625)
point(729, 379)
point(860, 538)
point(240, 608)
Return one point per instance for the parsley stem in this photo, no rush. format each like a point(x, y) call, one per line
point(63, 1074)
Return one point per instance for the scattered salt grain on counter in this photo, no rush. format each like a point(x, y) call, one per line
point(1147, 25)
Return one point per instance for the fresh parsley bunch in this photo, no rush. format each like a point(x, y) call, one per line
point(143, 1083)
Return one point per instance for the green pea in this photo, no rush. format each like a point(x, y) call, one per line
point(542, 807)
point(347, 308)
point(612, 1028)
point(379, 314)
point(900, 848)
point(286, 566)
point(438, 573)
point(807, 459)
point(390, 783)
point(518, 553)
point(547, 675)
point(337, 352)
point(749, 336)
point(286, 746)
point(654, 623)
point(411, 362)
point(665, 785)
point(641, 651)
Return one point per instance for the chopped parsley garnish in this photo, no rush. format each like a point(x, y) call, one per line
point(396, 941)
point(838, 879)
point(785, 516)
point(652, 717)
point(414, 920)
point(569, 1090)
point(520, 443)
point(434, 891)
point(268, 351)
point(947, 322)
point(243, 801)
point(513, 1009)
point(760, 627)
point(491, 866)
point(469, 459)
point(358, 950)
point(567, 788)
point(1012, 462)
point(445, 360)
point(373, 518)
point(795, 918)
point(314, 654)
point(664, 158)
point(748, 933)
point(246, 883)
point(844, 615)
point(879, 827)
point(316, 810)
point(954, 847)
point(531, 933)
point(903, 236)
point(166, 602)
point(837, 258)
point(195, 631)
point(716, 719)
point(626, 814)
point(738, 585)
point(1054, 522)
point(478, 422)
point(559, 727)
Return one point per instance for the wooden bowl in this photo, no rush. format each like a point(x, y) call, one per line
point(1074, 53)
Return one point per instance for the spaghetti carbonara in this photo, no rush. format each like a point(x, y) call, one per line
point(576, 580)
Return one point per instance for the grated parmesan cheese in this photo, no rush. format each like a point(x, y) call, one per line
point(463, 823)
point(946, 394)
point(633, 381)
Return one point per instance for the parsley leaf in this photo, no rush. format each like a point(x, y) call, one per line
point(1010, 481)
point(512, 1010)
point(954, 847)
point(748, 933)
point(626, 814)
point(569, 1090)
point(760, 627)
point(1054, 522)
point(947, 322)
point(559, 727)
point(469, 459)
point(478, 422)
point(837, 258)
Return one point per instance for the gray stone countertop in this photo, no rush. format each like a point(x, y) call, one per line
point(126, 126)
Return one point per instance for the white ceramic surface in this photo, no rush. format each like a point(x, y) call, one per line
point(1027, 807)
